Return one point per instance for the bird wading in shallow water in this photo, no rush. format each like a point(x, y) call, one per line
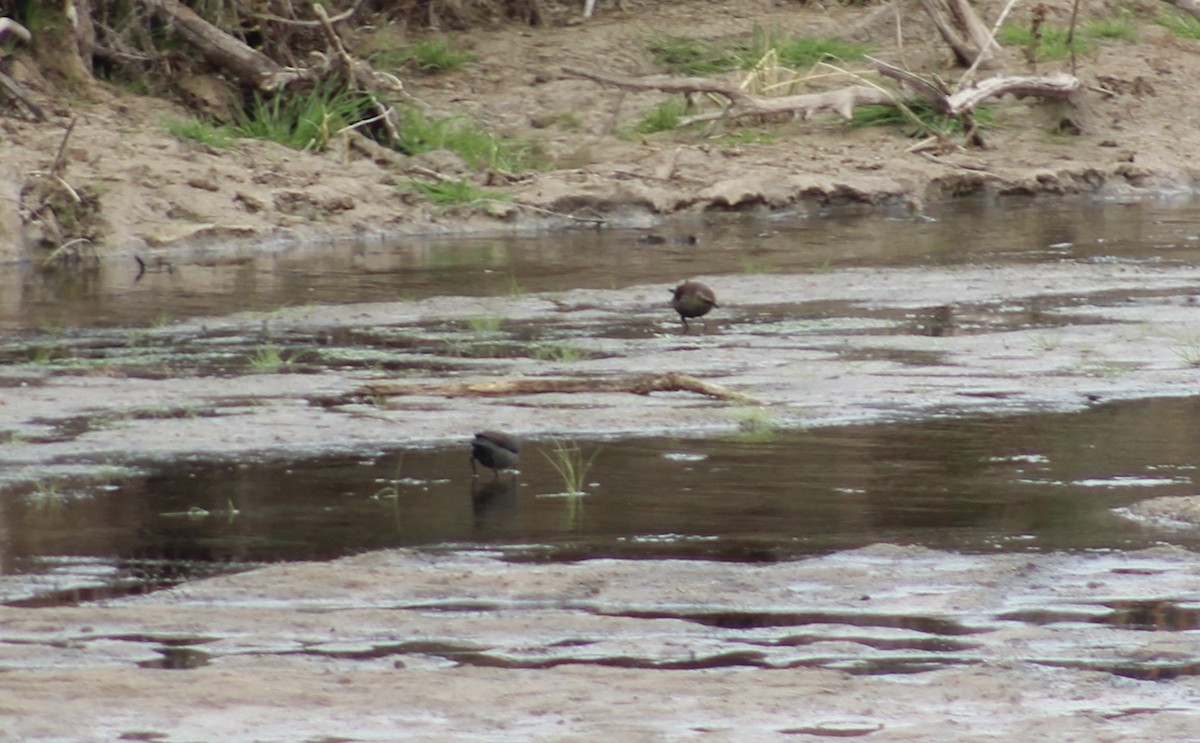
point(693, 299)
point(496, 451)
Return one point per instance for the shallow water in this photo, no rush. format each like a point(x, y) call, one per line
point(217, 282)
point(1030, 482)
point(1033, 482)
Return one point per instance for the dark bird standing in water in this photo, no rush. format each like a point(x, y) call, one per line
point(693, 299)
point(496, 451)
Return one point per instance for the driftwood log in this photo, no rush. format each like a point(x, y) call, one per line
point(640, 385)
point(251, 67)
point(1057, 85)
point(740, 102)
point(963, 31)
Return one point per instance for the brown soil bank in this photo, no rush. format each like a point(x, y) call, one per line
point(124, 184)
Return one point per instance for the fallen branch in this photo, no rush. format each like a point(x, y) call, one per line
point(248, 65)
point(364, 77)
point(641, 385)
point(842, 101)
point(1057, 85)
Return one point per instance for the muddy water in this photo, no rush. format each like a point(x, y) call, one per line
point(1038, 482)
point(221, 281)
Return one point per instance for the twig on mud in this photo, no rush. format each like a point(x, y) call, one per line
point(974, 167)
point(60, 160)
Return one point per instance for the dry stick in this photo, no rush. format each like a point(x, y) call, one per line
point(641, 385)
point(1071, 35)
point(310, 24)
point(385, 112)
point(60, 160)
point(990, 40)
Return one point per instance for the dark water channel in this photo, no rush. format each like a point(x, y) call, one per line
point(117, 295)
point(1032, 482)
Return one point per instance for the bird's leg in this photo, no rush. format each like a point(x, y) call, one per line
point(683, 319)
point(474, 472)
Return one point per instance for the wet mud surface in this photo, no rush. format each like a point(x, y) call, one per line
point(844, 645)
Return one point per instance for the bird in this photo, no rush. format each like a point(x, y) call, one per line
point(693, 299)
point(495, 450)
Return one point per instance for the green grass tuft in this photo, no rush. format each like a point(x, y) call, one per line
point(453, 193)
point(1183, 26)
point(696, 57)
point(664, 117)
point(930, 120)
point(304, 122)
point(479, 148)
point(571, 464)
point(1053, 45)
point(202, 132)
point(428, 54)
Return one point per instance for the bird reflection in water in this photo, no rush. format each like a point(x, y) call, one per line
point(492, 499)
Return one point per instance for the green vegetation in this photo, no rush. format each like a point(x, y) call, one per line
point(1053, 44)
point(1183, 26)
point(428, 54)
point(922, 117)
point(392, 490)
point(695, 57)
point(571, 464)
point(449, 193)
point(202, 132)
point(479, 148)
point(304, 122)
point(269, 359)
point(557, 352)
point(663, 117)
point(756, 424)
point(485, 323)
point(1188, 352)
point(42, 355)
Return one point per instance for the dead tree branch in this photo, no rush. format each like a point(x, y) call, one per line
point(741, 103)
point(248, 65)
point(1058, 85)
point(363, 76)
point(963, 30)
point(641, 385)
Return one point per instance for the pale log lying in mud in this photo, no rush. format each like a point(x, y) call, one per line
point(741, 103)
point(641, 385)
point(1055, 85)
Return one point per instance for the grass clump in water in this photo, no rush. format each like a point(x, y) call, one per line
point(571, 464)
